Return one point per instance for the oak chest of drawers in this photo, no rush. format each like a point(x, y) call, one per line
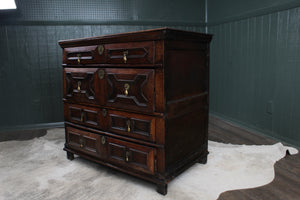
point(138, 101)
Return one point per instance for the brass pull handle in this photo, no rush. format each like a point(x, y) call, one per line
point(128, 126)
point(78, 58)
point(103, 140)
point(126, 87)
point(81, 117)
point(78, 85)
point(125, 53)
point(81, 143)
point(127, 156)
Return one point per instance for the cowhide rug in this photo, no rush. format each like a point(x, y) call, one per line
point(38, 169)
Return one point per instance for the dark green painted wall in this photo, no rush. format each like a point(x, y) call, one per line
point(130, 12)
point(255, 67)
point(231, 10)
point(30, 67)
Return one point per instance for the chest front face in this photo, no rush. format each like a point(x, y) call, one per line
point(136, 101)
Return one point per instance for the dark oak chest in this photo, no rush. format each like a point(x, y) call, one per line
point(138, 102)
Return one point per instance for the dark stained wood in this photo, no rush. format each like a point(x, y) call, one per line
point(132, 125)
point(159, 51)
point(287, 171)
point(80, 85)
point(186, 74)
point(185, 136)
point(82, 55)
point(225, 132)
point(88, 116)
point(159, 91)
point(70, 156)
point(148, 35)
point(84, 141)
point(138, 157)
point(140, 92)
point(146, 94)
point(129, 53)
point(162, 188)
point(122, 137)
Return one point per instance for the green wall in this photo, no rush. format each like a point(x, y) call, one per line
point(255, 65)
point(255, 56)
point(30, 67)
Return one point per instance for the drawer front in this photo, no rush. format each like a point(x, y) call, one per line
point(81, 85)
point(130, 89)
point(85, 115)
point(132, 125)
point(131, 155)
point(83, 141)
point(129, 53)
point(83, 55)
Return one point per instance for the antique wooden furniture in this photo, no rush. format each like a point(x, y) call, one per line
point(138, 102)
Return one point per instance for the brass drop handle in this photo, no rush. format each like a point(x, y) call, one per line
point(126, 87)
point(125, 53)
point(127, 154)
point(81, 117)
point(81, 143)
point(78, 85)
point(128, 126)
point(78, 58)
point(103, 140)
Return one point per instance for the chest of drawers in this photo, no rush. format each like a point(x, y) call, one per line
point(138, 102)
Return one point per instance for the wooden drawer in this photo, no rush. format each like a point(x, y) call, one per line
point(131, 155)
point(84, 115)
point(132, 125)
point(81, 85)
point(83, 141)
point(119, 152)
point(115, 53)
point(129, 53)
point(120, 88)
point(130, 89)
point(83, 55)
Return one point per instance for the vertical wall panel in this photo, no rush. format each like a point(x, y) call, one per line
point(255, 70)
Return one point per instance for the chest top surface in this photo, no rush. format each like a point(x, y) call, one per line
point(136, 36)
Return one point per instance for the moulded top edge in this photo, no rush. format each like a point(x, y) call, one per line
point(144, 35)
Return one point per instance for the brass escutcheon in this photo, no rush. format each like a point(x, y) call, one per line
point(100, 49)
point(101, 74)
point(103, 140)
point(104, 112)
